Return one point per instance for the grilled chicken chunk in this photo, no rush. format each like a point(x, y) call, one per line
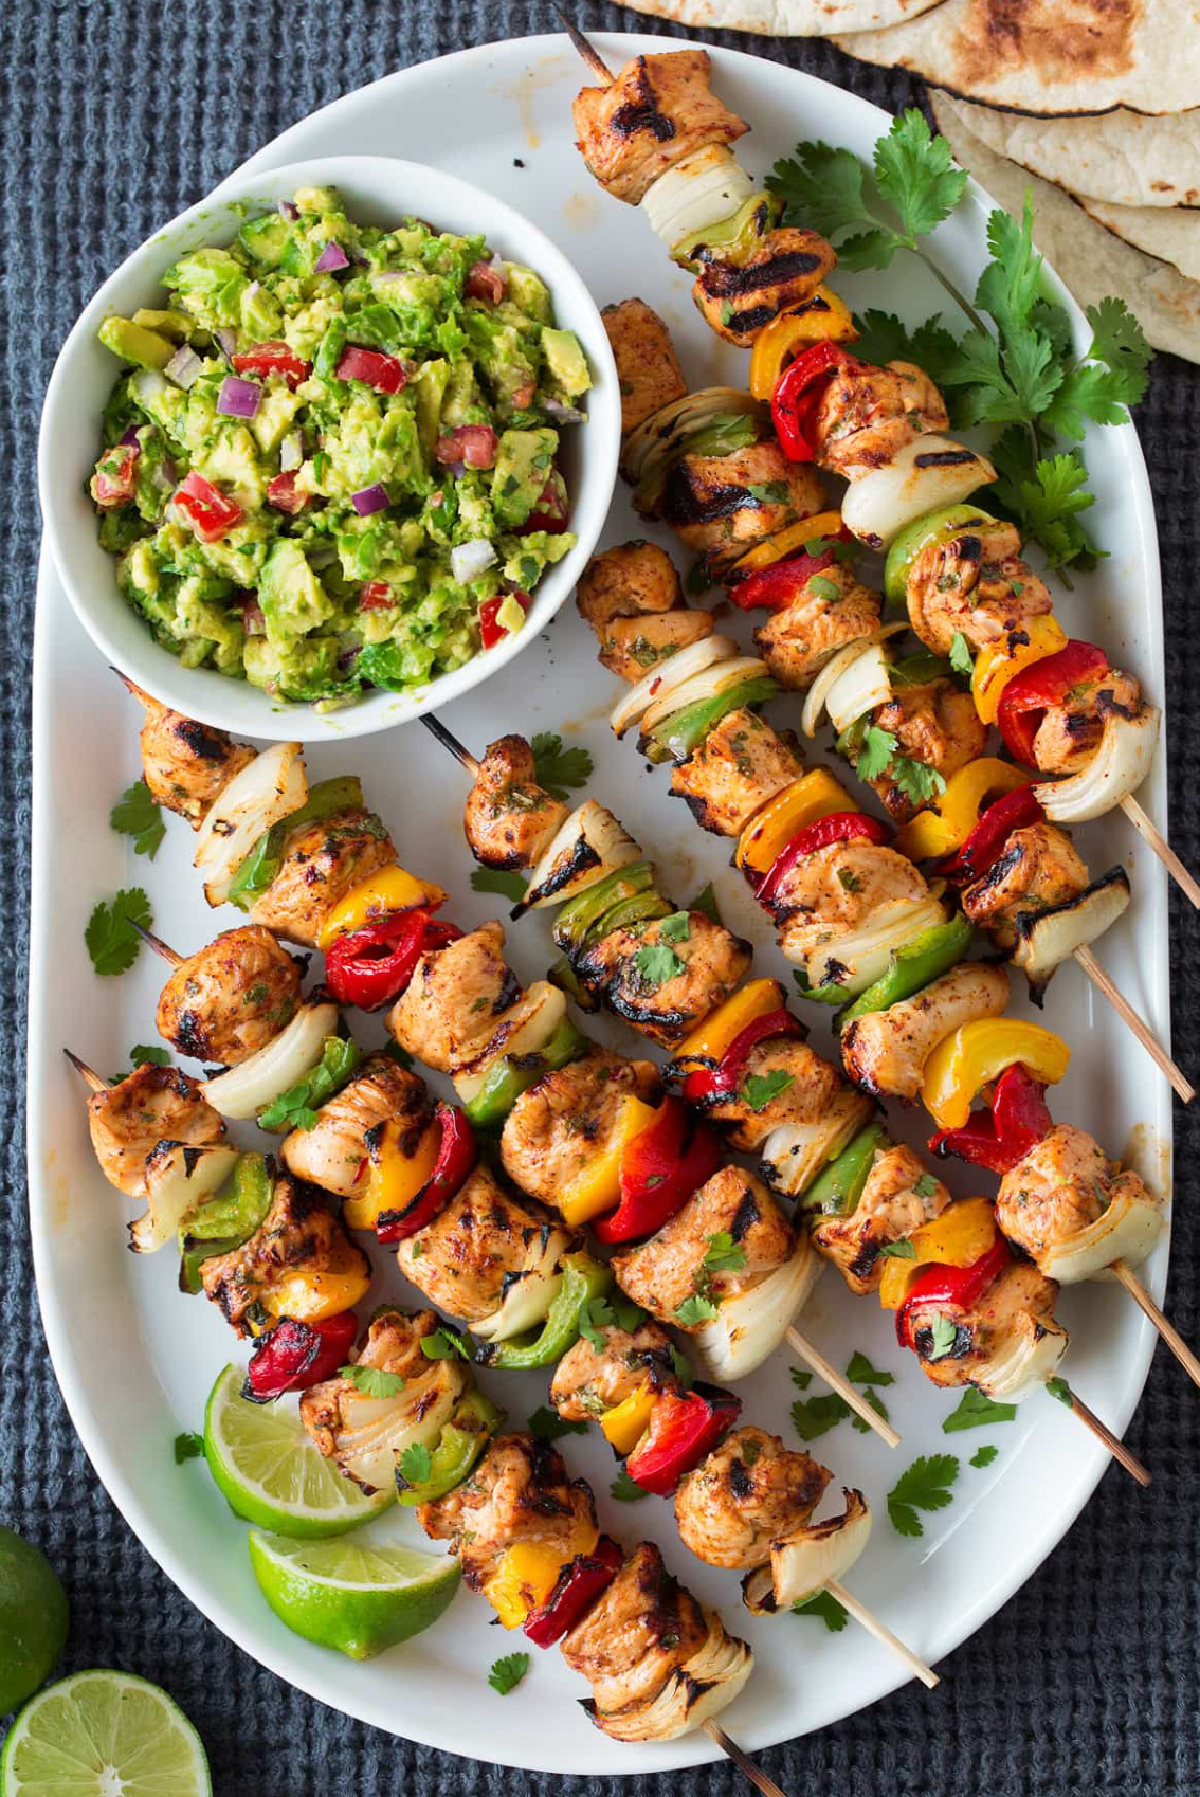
point(836, 890)
point(321, 865)
point(297, 1232)
point(151, 1105)
point(632, 646)
point(231, 998)
point(1069, 734)
point(518, 1492)
point(591, 1380)
point(720, 505)
point(866, 414)
point(463, 1259)
point(646, 361)
point(898, 1197)
point(983, 1331)
point(510, 819)
point(1064, 1183)
point(1039, 866)
point(656, 111)
point(975, 584)
point(936, 724)
point(739, 299)
point(664, 1272)
point(634, 580)
point(746, 1494)
point(810, 1096)
point(185, 764)
point(741, 764)
point(665, 985)
point(641, 1630)
point(886, 1051)
point(831, 610)
point(560, 1124)
point(333, 1153)
point(447, 1012)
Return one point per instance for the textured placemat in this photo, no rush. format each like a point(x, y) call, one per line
point(114, 116)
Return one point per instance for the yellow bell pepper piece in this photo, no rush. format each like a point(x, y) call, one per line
point(971, 1057)
point(947, 823)
point(714, 1035)
point(823, 318)
point(963, 1234)
point(997, 663)
point(527, 1574)
point(787, 542)
point(813, 796)
point(393, 1177)
point(624, 1425)
point(598, 1187)
point(311, 1296)
point(390, 889)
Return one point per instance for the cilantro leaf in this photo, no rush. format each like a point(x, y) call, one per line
point(546, 1425)
point(681, 1367)
point(915, 173)
point(925, 1486)
point(1119, 340)
point(927, 1186)
point(188, 1446)
point(297, 1107)
point(497, 879)
point(394, 1052)
point(656, 963)
point(629, 1316)
point(112, 941)
point(723, 1254)
point(823, 188)
point(597, 1314)
point(444, 1344)
point(675, 928)
point(975, 1411)
point(141, 1056)
point(706, 901)
point(372, 1381)
point(825, 1605)
point(861, 1372)
point(558, 768)
point(1058, 1388)
point(961, 659)
point(901, 1250)
point(625, 1489)
point(879, 746)
point(695, 1310)
point(877, 1405)
point(507, 1672)
point(983, 1456)
point(416, 1464)
point(136, 814)
point(761, 1088)
point(918, 782)
point(801, 1377)
point(944, 1333)
point(816, 1416)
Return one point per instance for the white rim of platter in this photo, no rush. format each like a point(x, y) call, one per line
point(135, 1360)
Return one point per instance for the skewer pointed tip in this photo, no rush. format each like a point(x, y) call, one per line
point(158, 945)
point(449, 741)
point(742, 1761)
point(587, 51)
point(88, 1074)
point(1113, 1443)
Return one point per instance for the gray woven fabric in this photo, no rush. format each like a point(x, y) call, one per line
point(114, 116)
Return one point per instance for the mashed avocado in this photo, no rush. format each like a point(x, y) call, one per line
point(332, 446)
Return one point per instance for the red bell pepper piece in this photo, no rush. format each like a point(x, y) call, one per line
point(293, 1356)
point(387, 374)
point(579, 1584)
point(777, 586)
point(456, 1156)
point(951, 1288)
point(209, 511)
point(372, 966)
point(683, 1427)
point(273, 358)
point(716, 1085)
point(660, 1169)
point(798, 394)
point(998, 1138)
point(282, 494)
point(839, 826)
point(491, 633)
point(982, 848)
point(1025, 699)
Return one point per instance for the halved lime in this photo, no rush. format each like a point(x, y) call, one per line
point(351, 1595)
point(102, 1732)
point(33, 1619)
point(270, 1472)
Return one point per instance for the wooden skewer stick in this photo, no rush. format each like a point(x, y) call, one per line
point(449, 741)
point(95, 1083)
point(1149, 832)
point(1166, 1329)
point(589, 53)
point(1103, 982)
point(1102, 1432)
point(158, 945)
point(881, 1632)
point(742, 1761)
point(817, 1361)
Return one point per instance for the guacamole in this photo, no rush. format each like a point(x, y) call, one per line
point(332, 463)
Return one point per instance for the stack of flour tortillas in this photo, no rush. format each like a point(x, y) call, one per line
point(1097, 112)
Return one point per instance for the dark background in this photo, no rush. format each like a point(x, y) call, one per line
point(114, 116)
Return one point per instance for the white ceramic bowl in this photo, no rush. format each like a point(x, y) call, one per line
point(377, 190)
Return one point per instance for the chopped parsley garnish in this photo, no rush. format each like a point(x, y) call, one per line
point(927, 1186)
point(901, 1250)
point(142, 1056)
point(597, 1314)
point(675, 928)
point(297, 1107)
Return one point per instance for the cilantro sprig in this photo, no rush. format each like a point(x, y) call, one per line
point(925, 1486)
point(138, 815)
point(497, 879)
point(111, 936)
point(507, 1672)
point(558, 768)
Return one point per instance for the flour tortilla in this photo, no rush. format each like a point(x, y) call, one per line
point(1172, 233)
point(786, 18)
point(1051, 56)
point(1121, 157)
point(1090, 259)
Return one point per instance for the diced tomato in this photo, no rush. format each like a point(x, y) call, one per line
point(387, 374)
point(376, 595)
point(273, 358)
point(283, 496)
point(210, 512)
point(522, 397)
point(491, 633)
point(114, 481)
point(474, 445)
point(486, 282)
point(551, 511)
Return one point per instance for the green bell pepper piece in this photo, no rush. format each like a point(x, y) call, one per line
point(680, 735)
point(836, 1190)
point(459, 1446)
point(933, 527)
point(733, 239)
point(583, 1280)
point(224, 1222)
point(509, 1076)
point(563, 975)
point(343, 793)
point(644, 907)
point(578, 916)
point(929, 955)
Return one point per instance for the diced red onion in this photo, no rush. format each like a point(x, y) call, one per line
point(289, 209)
point(559, 409)
point(131, 437)
point(497, 262)
point(468, 560)
point(332, 257)
point(184, 367)
point(291, 452)
point(370, 499)
point(226, 336)
point(457, 469)
point(238, 398)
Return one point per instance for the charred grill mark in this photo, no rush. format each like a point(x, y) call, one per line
point(740, 1482)
point(642, 114)
point(755, 317)
point(582, 857)
point(205, 744)
point(723, 280)
point(681, 504)
point(968, 549)
point(190, 1037)
point(745, 1217)
point(863, 1264)
point(945, 458)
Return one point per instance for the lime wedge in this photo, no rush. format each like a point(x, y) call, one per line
point(99, 1733)
point(33, 1619)
point(270, 1472)
point(349, 1595)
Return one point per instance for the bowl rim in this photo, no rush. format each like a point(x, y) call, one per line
point(222, 701)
